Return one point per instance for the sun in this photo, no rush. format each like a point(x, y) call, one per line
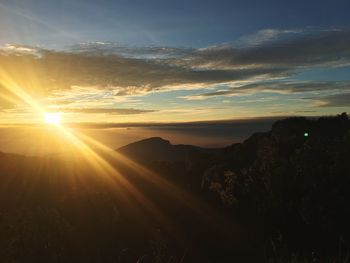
point(52, 118)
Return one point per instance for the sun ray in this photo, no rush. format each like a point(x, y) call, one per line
point(10, 85)
point(169, 188)
point(100, 164)
point(109, 172)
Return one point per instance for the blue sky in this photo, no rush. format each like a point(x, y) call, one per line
point(150, 61)
point(154, 22)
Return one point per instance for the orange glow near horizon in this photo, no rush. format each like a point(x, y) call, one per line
point(104, 160)
point(105, 169)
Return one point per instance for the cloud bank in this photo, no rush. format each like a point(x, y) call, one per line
point(256, 60)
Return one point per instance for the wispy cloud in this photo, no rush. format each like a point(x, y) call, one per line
point(117, 111)
point(304, 48)
point(12, 49)
point(120, 71)
point(280, 87)
point(111, 48)
point(337, 100)
point(221, 64)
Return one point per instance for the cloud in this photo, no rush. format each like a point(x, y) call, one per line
point(338, 100)
point(278, 87)
point(266, 35)
point(120, 111)
point(111, 48)
point(206, 126)
point(124, 71)
point(19, 50)
point(61, 70)
point(305, 48)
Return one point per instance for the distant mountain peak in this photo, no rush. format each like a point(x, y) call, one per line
point(157, 149)
point(153, 140)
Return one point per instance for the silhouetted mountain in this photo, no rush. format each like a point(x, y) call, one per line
point(279, 196)
point(156, 149)
point(292, 181)
point(86, 211)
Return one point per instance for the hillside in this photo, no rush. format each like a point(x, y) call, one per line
point(156, 149)
point(279, 196)
point(291, 182)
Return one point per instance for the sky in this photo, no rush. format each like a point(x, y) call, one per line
point(153, 61)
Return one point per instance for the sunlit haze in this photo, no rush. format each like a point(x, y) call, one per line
point(131, 63)
point(52, 118)
point(174, 131)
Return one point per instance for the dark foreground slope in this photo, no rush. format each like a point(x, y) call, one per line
point(57, 211)
point(291, 187)
point(279, 196)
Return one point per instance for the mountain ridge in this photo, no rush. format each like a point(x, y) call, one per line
point(158, 149)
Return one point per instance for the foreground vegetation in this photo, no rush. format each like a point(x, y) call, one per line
point(280, 196)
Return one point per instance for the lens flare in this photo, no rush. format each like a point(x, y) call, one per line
point(52, 118)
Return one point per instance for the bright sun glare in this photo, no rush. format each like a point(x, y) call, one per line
point(52, 118)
